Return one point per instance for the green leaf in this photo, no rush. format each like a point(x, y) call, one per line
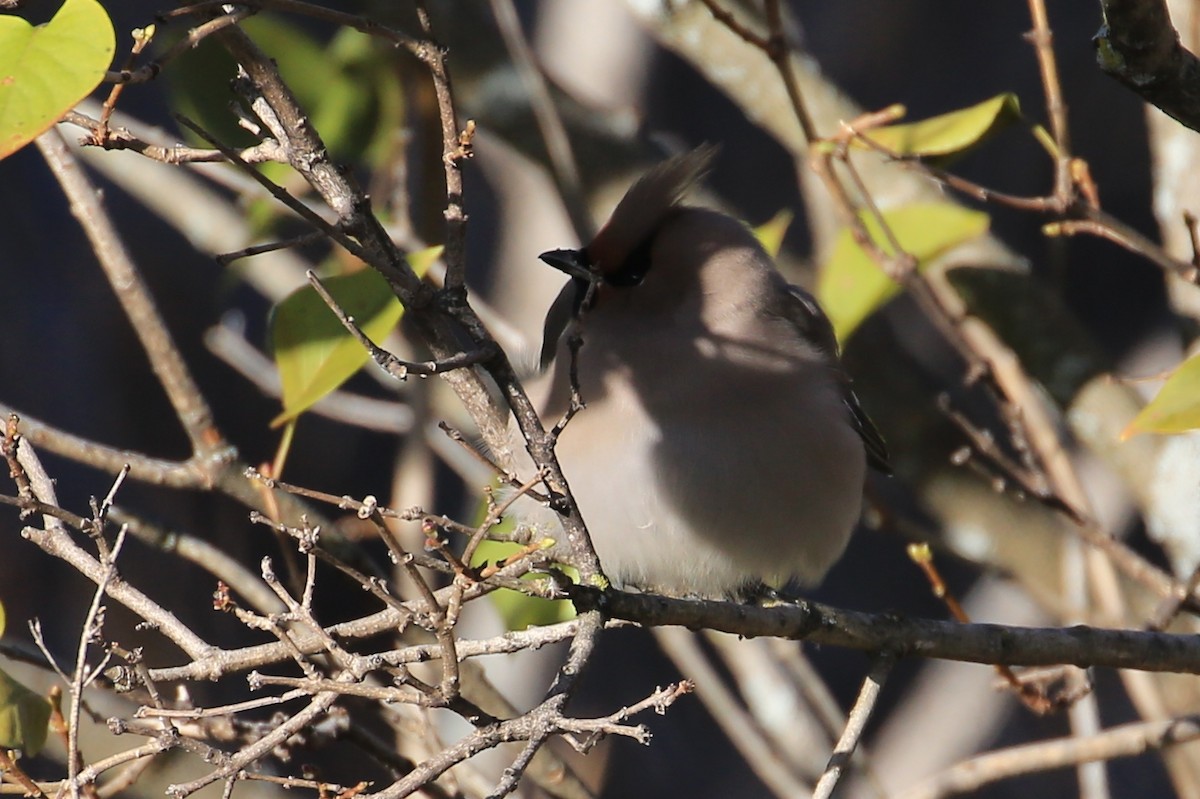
point(950, 134)
point(24, 717)
point(520, 611)
point(45, 70)
point(851, 286)
point(349, 86)
point(1176, 408)
point(2, 619)
point(770, 233)
point(314, 353)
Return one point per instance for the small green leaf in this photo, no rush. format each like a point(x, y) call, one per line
point(45, 70)
point(770, 233)
point(24, 717)
point(518, 610)
point(349, 86)
point(950, 134)
point(851, 286)
point(314, 353)
point(1176, 408)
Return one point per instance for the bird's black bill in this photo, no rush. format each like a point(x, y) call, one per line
point(573, 262)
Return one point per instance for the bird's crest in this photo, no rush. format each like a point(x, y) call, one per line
point(645, 204)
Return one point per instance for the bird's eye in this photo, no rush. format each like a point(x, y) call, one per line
point(633, 270)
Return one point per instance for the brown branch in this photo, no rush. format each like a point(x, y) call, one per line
point(564, 167)
point(1100, 224)
point(218, 662)
point(735, 720)
point(185, 43)
point(86, 206)
point(358, 22)
point(55, 541)
point(10, 767)
point(440, 324)
point(973, 643)
point(397, 368)
point(1056, 107)
point(1170, 606)
point(122, 139)
point(90, 632)
point(539, 722)
point(774, 46)
point(156, 471)
point(780, 53)
point(989, 361)
point(1128, 740)
point(332, 232)
point(316, 708)
point(856, 724)
point(456, 148)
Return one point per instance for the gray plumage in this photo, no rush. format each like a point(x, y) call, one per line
point(721, 445)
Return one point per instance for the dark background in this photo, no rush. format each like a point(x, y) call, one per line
point(68, 357)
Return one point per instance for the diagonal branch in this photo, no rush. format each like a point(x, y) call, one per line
point(151, 329)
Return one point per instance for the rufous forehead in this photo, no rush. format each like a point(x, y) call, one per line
point(605, 252)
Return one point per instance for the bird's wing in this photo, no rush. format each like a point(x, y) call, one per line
point(806, 314)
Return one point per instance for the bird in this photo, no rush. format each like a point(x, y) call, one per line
point(720, 450)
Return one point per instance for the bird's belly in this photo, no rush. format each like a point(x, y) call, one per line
point(706, 503)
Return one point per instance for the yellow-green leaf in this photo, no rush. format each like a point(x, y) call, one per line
point(24, 717)
point(770, 233)
point(313, 352)
point(518, 610)
point(45, 70)
point(851, 286)
point(3, 620)
point(1176, 408)
point(952, 133)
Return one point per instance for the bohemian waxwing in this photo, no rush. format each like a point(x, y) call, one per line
point(721, 447)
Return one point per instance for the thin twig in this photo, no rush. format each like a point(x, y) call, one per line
point(9, 767)
point(369, 413)
point(1171, 605)
point(563, 165)
point(1056, 108)
point(319, 705)
point(359, 22)
point(187, 42)
point(1104, 226)
point(311, 237)
point(55, 541)
point(332, 232)
point(394, 366)
point(131, 290)
point(735, 721)
point(511, 479)
point(856, 724)
point(92, 632)
point(780, 53)
point(1127, 740)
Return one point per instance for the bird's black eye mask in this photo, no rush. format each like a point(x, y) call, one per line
point(585, 276)
point(637, 264)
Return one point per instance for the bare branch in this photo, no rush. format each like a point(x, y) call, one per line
point(856, 724)
point(394, 366)
point(191, 409)
point(974, 643)
point(1125, 741)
